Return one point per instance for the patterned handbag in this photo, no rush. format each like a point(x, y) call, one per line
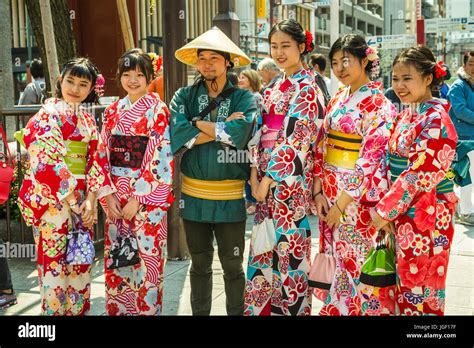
point(263, 237)
point(321, 273)
point(80, 247)
point(6, 168)
point(124, 250)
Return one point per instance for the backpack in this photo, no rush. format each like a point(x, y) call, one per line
point(40, 90)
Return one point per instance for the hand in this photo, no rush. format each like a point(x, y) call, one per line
point(320, 206)
point(131, 209)
point(389, 228)
point(333, 217)
point(88, 209)
point(253, 181)
point(113, 207)
point(236, 116)
point(262, 189)
point(72, 202)
point(379, 222)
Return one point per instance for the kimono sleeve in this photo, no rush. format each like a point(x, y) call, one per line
point(154, 185)
point(430, 157)
point(237, 133)
point(94, 174)
point(377, 121)
point(49, 180)
point(181, 129)
point(288, 158)
point(102, 155)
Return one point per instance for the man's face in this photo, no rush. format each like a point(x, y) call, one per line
point(211, 64)
point(469, 66)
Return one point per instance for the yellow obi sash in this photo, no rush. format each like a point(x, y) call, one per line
point(342, 149)
point(76, 157)
point(215, 190)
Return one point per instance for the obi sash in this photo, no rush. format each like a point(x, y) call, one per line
point(76, 156)
point(398, 164)
point(271, 124)
point(76, 153)
point(127, 151)
point(215, 190)
point(342, 149)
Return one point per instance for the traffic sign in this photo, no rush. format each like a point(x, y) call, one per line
point(392, 41)
point(440, 25)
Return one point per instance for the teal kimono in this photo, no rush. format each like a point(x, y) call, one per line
point(221, 159)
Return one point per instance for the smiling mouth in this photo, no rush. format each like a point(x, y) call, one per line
point(73, 95)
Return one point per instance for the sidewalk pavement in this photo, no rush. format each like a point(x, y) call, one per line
point(459, 292)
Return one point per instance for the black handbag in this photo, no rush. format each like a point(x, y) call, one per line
point(124, 250)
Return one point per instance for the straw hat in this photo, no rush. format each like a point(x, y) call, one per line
point(213, 39)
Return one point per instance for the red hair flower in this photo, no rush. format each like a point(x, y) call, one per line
point(440, 70)
point(309, 40)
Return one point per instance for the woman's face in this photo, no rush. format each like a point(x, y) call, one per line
point(134, 83)
point(75, 89)
point(244, 82)
point(286, 52)
point(347, 67)
point(409, 84)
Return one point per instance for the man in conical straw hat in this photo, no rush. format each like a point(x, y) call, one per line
point(214, 165)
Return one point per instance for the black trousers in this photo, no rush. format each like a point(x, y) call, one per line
point(230, 239)
point(5, 276)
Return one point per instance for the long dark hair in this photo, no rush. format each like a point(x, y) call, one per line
point(295, 30)
point(353, 44)
point(83, 68)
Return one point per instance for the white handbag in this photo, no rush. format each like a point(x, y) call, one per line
point(263, 237)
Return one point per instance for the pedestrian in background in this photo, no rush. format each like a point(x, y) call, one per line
point(270, 73)
point(461, 97)
point(250, 80)
point(35, 91)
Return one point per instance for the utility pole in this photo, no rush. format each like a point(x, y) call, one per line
point(49, 42)
point(6, 71)
point(175, 76)
point(227, 20)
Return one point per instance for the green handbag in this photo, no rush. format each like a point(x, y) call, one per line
point(379, 269)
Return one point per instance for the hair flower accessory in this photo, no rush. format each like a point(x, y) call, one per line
point(440, 70)
point(309, 40)
point(99, 85)
point(157, 61)
point(371, 53)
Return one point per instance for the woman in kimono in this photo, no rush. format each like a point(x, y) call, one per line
point(414, 187)
point(277, 279)
point(61, 140)
point(134, 152)
point(352, 141)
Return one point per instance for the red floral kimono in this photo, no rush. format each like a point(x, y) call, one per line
point(65, 290)
point(413, 188)
point(138, 289)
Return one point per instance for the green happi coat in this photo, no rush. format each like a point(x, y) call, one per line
point(213, 160)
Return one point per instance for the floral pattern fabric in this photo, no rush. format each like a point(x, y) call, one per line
point(138, 289)
point(65, 289)
point(423, 217)
point(277, 281)
point(368, 114)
